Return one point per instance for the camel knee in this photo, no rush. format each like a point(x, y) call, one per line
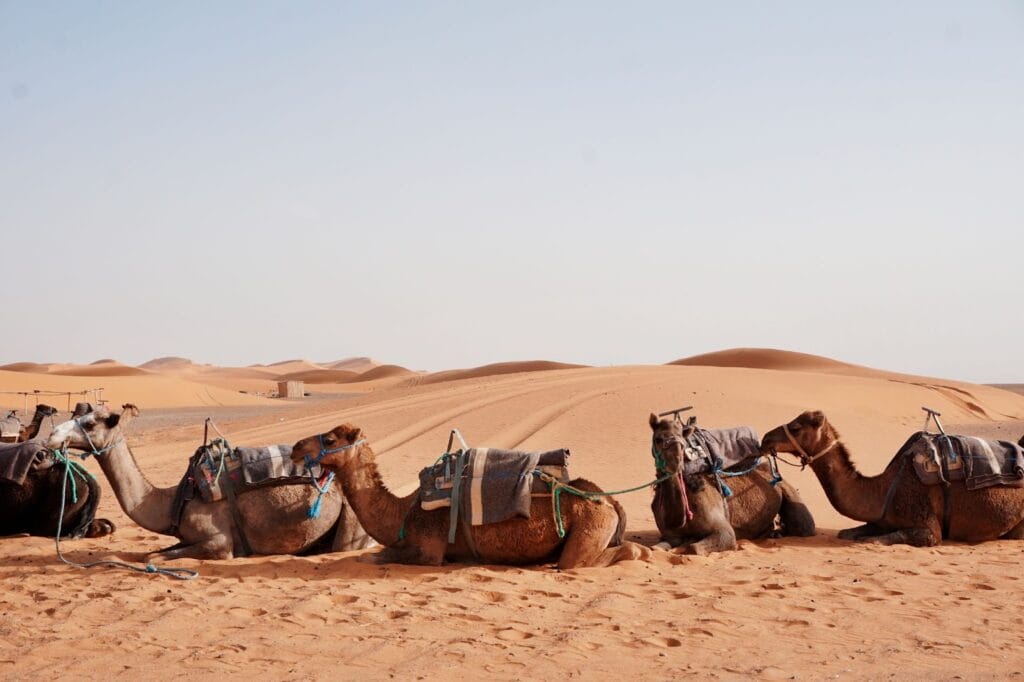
point(100, 527)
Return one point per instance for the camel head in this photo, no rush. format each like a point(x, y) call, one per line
point(668, 440)
point(809, 436)
point(45, 410)
point(332, 449)
point(93, 431)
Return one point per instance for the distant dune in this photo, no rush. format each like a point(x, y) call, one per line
point(493, 370)
point(383, 372)
point(102, 368)
point(358, 364)
point(168, 363)
point(320, 376)
point(764, 358)
point(30, 367)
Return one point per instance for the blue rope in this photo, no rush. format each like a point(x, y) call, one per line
point(314, 510)
point(719, 473)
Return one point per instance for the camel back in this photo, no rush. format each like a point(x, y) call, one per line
point(980, 463)
point(210, 470)
point(491, 485)
point(17, 459)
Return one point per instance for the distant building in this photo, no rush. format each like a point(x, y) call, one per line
point(290, 389)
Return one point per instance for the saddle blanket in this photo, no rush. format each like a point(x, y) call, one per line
point(494, 484)
point(978, 462)
point(17, 459)
point(723, 448)
point(244, 468)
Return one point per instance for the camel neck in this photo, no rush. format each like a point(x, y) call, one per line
point(380, 512)
point(146, 505)
point(32, 430)
point(852, 494)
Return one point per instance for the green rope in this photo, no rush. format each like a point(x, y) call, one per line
point(74, 468)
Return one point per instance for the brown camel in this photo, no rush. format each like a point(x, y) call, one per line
point(33, 506)
point(31, 430)
point(717, 521)
point(593, 528)
point(274, 517)
point(895, 505)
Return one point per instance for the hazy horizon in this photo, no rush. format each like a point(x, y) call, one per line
point(444, 185)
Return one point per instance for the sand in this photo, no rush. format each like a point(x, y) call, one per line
point(812, 608)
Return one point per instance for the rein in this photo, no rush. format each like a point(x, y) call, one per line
point(806, 459)
point(310, 461)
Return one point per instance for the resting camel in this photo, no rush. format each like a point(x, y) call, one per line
point(30, 431)
point(895, 505)
point(34, 505)
point(411, 535)
point(275, 517)
point(749, 513)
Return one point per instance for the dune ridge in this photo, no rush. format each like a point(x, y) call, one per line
point(495, 369)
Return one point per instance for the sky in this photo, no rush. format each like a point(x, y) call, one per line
point(449, 184)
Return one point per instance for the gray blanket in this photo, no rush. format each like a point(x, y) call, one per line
point(17, 459)
point(724, 448)
point(978, 462)
point(246, 467)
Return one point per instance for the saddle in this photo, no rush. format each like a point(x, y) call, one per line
point(940, 459)
point(18, 459)
point(708, 450)
point(10, 429)
point(214, 468)
point(489, 485)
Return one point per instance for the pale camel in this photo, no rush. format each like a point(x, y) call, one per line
point(275, 518)
point(411, 535)
point(895, 505)
point(31, 430)
point(716, 522)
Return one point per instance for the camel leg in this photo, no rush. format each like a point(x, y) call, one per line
point(1015, 533)
point(859, 532)
point(99, 528)
point(627, 551)
point(916, 537)
point(723, 539)
point(214, 548)
point(797, 520)
point(589, 536)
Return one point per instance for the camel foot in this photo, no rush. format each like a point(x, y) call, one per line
point(916, 537)
point(100, 527)
point(859, 532)
point(664, 546)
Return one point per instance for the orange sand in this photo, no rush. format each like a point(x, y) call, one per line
point(813, 608)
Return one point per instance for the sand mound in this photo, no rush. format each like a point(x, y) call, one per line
point(106, 368)
point(30, 367)
point(289, 366)
point(357, 364)
point(769, 358)
point(168, 363)
point(383, 372)
point(495, 369)
point(320, 376)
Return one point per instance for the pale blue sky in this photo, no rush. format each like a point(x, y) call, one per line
point(451, 184)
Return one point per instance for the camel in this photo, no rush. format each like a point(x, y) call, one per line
point(717, 521)
point(895, 505)
point(34, 505)
point(412, 535)
point(275, 517)
point(30, 431)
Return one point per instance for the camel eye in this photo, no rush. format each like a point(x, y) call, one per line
point(795, 426)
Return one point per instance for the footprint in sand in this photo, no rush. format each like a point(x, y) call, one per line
point(513, 635)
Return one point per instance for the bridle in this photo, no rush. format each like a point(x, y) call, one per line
point(312, 461)
point(660, 466)
point(806, 459)
point(88, 439)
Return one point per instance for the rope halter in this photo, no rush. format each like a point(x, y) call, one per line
point(806, 459)
point(312, 461)
point(88, 439)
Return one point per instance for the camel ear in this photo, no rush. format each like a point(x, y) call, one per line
point(816, 418)
point(82, 409)
point(355, 434)
point(653, 419)
point(112, 420)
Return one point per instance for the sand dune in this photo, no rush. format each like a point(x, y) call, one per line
point(359, 364)
point(812, 608)
point(319, 376)
point(30, 367)
point(101, 369)
point(495, 369)
point(383, 372)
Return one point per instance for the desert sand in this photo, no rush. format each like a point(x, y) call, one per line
point(814, 608)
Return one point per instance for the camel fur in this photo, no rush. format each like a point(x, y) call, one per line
point(275, 517)
point(749, 513)
point(34, 506)
point(914, 514)
point(593, 528)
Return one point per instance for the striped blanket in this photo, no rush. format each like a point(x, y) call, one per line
point(722, 448)
point(978, 462)
point(245, 467)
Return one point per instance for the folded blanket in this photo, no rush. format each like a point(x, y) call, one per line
point(17, 459)
point(723, 448)
point(497, 485)
point(978, 462)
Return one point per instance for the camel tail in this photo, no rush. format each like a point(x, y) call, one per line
point(796, 517)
